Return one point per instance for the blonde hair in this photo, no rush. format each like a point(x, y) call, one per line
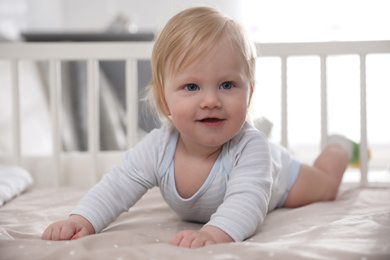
point(188, 36)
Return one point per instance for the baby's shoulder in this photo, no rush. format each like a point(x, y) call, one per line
point(159, 136)
point(250, 133)
point(247, 139)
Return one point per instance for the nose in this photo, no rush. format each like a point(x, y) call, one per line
point(210, 100)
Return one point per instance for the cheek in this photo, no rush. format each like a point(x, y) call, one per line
point(247, 97)
point(237, 107)
point(177, 108)
point(242, 106)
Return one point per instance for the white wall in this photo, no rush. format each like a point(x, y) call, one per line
point(95, 15)
point(319, 20)
point(268, 21)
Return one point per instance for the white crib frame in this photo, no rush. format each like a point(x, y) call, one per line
point(131, 52)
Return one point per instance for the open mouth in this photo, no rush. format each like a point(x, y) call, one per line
point(212, 122)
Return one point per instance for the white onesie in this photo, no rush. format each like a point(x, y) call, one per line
point(235, 197)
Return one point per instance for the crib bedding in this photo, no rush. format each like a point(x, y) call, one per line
point(355, 226)
point(13, 181)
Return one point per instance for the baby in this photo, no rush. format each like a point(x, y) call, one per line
point(210, 164)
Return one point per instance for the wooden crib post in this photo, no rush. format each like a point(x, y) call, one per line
point(16, 112)
point(93, 117)
point(284, 137)
point(363, 156)
point(55, 107)
point(324, 102)
point(131, 103)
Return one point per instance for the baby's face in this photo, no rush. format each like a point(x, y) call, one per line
point(208, 99)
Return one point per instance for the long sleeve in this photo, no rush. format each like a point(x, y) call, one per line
point(248, 189)
point(121, 188)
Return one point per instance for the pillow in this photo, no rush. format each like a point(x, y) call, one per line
point(13, 181)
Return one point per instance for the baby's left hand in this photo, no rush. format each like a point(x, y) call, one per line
point(208, 235)
point(192, 239)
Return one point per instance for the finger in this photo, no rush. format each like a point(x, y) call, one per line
point(201, 241)
point(197, 242)
point(175, 241)
point(82, 233)
point(67, 232)
point(187, 240)
point(55, 234)
point(209, 243)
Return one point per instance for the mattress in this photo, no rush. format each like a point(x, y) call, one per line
point(355, 226)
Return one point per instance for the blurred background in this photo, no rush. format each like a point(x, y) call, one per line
point(266, 22)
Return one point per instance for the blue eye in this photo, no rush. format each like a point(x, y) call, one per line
point(226, 85)
point(191, 87)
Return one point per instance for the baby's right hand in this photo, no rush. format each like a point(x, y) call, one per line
point(74, 227)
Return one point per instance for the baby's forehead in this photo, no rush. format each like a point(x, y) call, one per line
point(198, 57)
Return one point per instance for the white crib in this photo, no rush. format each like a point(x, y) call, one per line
point(355, 226)
point(68, 168)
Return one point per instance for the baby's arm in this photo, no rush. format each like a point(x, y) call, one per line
point(74, 227)
point(246, 199)
point(208, 235)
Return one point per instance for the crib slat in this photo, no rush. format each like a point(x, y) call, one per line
point(363, 156)
point(131, 102)
point(93, 116)
point(324, 102)
point(55, 105)
point(284, 139)
point(16, 112)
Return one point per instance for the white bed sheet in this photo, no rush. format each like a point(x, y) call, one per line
point(355, 226)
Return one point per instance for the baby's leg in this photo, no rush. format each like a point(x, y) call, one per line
point(321, 181)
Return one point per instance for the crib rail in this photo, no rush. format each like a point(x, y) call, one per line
point(54, 53)
point(323, 50)
point(131, 52)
